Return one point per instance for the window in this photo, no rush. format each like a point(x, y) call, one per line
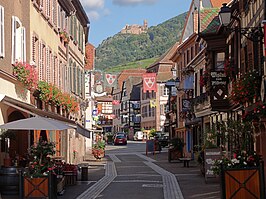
point(18, 41)
point(2, 32)
point(165, 91)
point(219, 61)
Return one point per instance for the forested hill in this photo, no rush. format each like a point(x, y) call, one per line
point(123, 48)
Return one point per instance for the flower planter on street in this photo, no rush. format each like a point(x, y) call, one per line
point(243, 183)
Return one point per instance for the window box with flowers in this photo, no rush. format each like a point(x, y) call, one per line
point(39, 179)
point(49, 93)
point(64, 36)
point(246, 88)
point(26, 74)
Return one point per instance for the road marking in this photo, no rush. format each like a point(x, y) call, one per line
point(114, 158)
point(145, 157)
point(205, 195)
point(98, 187)
point(153, 185)
point(139, 175)
point(171, 187)
point(131, 166)
point(137, 181)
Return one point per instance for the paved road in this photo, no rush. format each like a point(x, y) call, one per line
point(131, 174)
point(127, 173)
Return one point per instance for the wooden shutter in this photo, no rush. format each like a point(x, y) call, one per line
point(54, 11)
point(13, 39)
point(23, 44)
point(2, 32)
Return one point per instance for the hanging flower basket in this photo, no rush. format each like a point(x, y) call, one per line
point(246, 88)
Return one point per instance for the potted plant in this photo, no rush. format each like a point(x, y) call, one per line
point(241, 176)
point(38, 178)
point(98, 149)
point(241, 168)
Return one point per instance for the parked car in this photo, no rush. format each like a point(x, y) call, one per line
point(163, 140)
point(138, 135)
point(120, 139)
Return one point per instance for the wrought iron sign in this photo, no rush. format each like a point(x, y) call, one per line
point(219, 90)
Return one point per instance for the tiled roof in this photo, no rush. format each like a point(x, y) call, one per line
point(108, 98)
point(209, 20)
point(164, 76)
point(129, 72)
point(218, 3)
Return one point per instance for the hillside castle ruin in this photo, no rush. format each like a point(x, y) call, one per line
point(135, 28)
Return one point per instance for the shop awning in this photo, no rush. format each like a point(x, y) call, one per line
point(36, 123)
point(32, 110)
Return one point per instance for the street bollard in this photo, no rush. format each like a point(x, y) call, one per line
point(84, 173)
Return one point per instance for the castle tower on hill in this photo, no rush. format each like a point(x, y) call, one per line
point(135, 29)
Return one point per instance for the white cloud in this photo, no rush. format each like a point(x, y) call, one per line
point(93, 4)
point(106, 12)
point(133, 2)
point(93, 15)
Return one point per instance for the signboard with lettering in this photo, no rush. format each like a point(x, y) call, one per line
point(219, 91)
point(210, 155)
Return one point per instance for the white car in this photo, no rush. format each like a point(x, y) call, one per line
point(138, 135)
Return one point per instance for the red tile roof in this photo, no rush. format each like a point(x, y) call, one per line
point(218, 3)
point(129, 72)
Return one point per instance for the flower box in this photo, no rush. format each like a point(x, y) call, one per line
point(243, 183)
point(39, 187)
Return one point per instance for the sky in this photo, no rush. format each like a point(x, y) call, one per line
point(108, 17)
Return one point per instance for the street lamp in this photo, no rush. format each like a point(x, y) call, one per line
point(251, 33)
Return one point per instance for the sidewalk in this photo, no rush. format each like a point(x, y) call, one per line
point(191, 181)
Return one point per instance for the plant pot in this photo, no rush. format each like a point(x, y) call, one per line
point(98, 153)
point(243, 183)
point(36, 187)
point(39, 187)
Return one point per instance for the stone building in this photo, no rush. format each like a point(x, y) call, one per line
point(135, 28)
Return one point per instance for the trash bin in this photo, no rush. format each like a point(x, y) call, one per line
point(84, 173)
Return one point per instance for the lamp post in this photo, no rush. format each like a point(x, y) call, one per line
point(172, 85)
point(252, 33)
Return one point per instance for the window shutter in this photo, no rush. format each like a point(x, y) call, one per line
point(33, 52)
point(54, 10)
point(40, 62)
point(48, 65)
point(59, 16)
point(2, 32)
point(23, 44)
point(13, 39)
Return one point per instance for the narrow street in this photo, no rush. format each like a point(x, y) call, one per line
point(130, 174)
